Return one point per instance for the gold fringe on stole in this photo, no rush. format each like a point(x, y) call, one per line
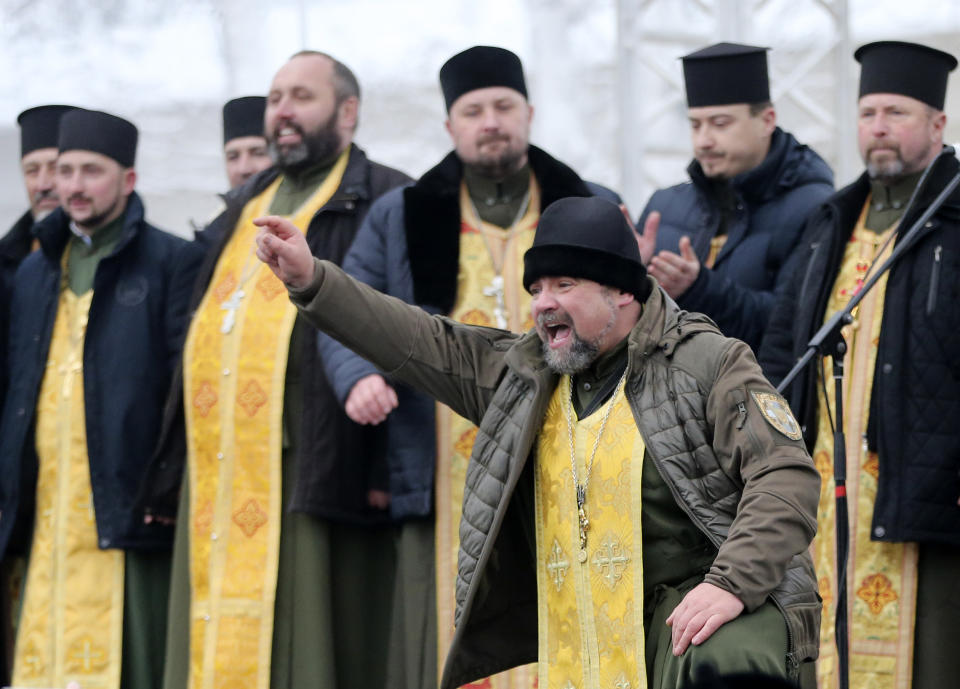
point(233, 389)
point(72, 622)
point(590, 613)
point(455, 434)
point(881, 577)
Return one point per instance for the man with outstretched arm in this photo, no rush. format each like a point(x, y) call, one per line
point(664, 519)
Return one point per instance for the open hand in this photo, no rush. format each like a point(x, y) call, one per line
point(674, 272)
point(647, 242)
point(701, 612)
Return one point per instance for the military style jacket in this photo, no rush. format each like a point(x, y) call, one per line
point(748, 486)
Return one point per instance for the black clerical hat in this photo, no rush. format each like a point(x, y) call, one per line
point(586, 237)
point(40, 127)
point(100, 132)
point(908, 69)
point(479, 67)
point(726, 73)
point(243, 117)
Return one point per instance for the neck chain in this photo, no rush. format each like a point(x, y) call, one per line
point(581, 488)
point(496, 287)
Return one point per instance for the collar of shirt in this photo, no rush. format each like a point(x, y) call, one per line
point(594, 385)
point(81, 235)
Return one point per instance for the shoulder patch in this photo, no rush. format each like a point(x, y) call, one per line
point(776, 411)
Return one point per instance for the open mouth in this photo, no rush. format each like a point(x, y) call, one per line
point(288, 135)
point(557, 334)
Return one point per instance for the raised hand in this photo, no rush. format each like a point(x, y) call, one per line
point(282, 246)
point(647, 241)
point(675, 272)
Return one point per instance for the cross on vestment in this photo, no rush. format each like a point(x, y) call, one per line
point(557, 565)
point(611, 560)
point(495, 290)
point(230, 306)
point(87, 656)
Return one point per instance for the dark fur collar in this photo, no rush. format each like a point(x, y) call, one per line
point(432, 221)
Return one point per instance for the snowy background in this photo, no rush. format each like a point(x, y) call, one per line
point(603, 76)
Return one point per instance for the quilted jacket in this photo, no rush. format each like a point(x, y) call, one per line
point(915, 402)
point(749, 488)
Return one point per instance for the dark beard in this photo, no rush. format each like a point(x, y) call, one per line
point(315, 147)
point(95, 222)
point(509, 162)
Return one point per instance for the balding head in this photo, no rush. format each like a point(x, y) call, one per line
point(312, 110)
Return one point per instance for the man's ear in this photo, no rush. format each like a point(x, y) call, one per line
point(129, 180)
point(769, 117)
point(624, 298)
point(349, 110)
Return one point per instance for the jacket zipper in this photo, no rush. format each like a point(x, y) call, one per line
point(742, 414)
point(934, 280)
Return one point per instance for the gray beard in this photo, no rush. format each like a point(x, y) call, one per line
point(581, 353)
point(889, 172)
point(314, 148)
point(574, 360)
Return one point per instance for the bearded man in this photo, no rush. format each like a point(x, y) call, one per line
point(97, 319)
point(452, 243)
point(283, 560)
point(901, 395)
point(638, 501)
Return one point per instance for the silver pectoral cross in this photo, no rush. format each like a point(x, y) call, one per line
point(230, 306)
point(495, 290)
point(582, 522)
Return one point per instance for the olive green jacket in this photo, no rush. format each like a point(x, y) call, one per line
point(751, 489)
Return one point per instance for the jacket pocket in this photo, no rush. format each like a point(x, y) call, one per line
point(934, 280)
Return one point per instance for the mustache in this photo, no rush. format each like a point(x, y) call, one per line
point(553, 318)
point(490, 138)
point(45, 194)
point(79, 197)
point(883, 146)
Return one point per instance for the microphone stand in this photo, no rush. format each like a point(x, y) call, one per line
point(829, 341)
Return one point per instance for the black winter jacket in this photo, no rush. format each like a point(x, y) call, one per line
point(339, 461)
point(131, 347)
point(915, 401)
point(14, 247)
point(409, 248)
point(773, 201)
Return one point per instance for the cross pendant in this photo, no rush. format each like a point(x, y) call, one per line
point(495, 290)
point(230, 306)
point(584, 527)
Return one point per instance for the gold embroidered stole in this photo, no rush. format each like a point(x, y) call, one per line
point(881, 577)
point(71, 627)
point(481, 245)
point(591, 612)
point(233, 388)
